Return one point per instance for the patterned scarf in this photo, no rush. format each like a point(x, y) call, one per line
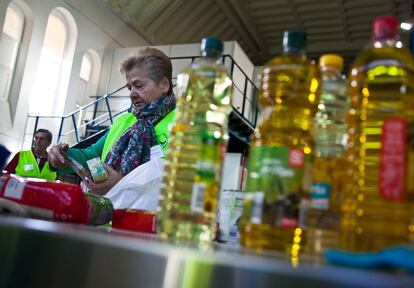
point(133, 147)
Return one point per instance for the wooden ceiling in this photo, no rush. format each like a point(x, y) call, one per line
point(340, 26)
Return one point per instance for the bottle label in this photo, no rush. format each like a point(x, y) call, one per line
point(320, 195)
point(197, 197)
point(279, 173)
point(229, 212)
point(256, 199)
point(14, 188)
point(392, 159)
point(205, 187)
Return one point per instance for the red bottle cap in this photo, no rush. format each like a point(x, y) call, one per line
point(385, 27)
point(132, 219)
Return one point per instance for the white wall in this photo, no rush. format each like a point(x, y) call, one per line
point(98, 28)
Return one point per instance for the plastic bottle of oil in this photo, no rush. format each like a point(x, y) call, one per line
point(196, 151)
point(328, 168)
point(279, 163)
point(378, 209)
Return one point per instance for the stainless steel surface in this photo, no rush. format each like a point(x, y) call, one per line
point(36, 253)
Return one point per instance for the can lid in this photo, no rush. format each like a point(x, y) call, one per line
point(385, 27)
point(294, 40)
point(214, 44)
point(331, 60)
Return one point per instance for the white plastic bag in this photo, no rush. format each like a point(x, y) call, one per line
point(140, 188)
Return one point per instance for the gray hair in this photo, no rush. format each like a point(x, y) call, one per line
point(155, 63)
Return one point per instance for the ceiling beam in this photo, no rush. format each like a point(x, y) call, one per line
point(320, 8)
point(161, 19)
point(197, 31)
point(327, 47)
point(257, 5)
point(133, 8)
point(295, 13)
point(247, 22)
point(188, 22)
point(393, 7)
point(342, 12)
point(241, 22)
point(152, 12)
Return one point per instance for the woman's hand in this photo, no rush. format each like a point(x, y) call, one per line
point(55, 155)
point(103, 187)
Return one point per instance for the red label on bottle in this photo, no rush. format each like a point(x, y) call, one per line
point(296, 158)
point(288, 223)
point(392, 159)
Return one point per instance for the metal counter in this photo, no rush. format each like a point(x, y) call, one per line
point(37, 253)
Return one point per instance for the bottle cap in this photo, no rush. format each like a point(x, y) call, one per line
point(294, 40)
point(385, 27)
point(211, 44)
point(331, 60)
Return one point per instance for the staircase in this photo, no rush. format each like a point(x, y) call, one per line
point(72, 129)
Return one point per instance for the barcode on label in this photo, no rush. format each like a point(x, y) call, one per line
point(257, 199)
point(14, 189)
point(197, 197)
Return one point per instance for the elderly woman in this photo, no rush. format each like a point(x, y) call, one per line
point(128, 142)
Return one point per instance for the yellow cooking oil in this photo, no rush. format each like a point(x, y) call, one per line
point(378, 208)
point(328, 168)
point(280, 154)
point(191, 184)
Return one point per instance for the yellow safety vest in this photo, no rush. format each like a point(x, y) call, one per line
point(127, 120)
point(28, 167)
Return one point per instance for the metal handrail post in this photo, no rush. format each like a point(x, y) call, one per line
point(35, 129)
point(60, 129)
point(256, 106)
point(244, 95)
point(95, 109)
point(109, 109)
point(75, 128)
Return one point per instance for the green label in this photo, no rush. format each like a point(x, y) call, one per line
point(279, 173)
point(271, 171)
point(208, 173)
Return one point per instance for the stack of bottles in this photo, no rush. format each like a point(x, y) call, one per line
point(333, 170)
point(330, 165)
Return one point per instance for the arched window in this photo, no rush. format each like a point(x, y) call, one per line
point(88, 77)
point(56, 57)
point(86, 67)
point(50, 65)
point(9, 47)
point(88, 83)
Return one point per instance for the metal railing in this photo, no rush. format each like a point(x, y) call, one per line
point(74, 116)
point(249, 101)
point(245, 92)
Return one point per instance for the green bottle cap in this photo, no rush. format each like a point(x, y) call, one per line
point(294, 40)
point(211, 46)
